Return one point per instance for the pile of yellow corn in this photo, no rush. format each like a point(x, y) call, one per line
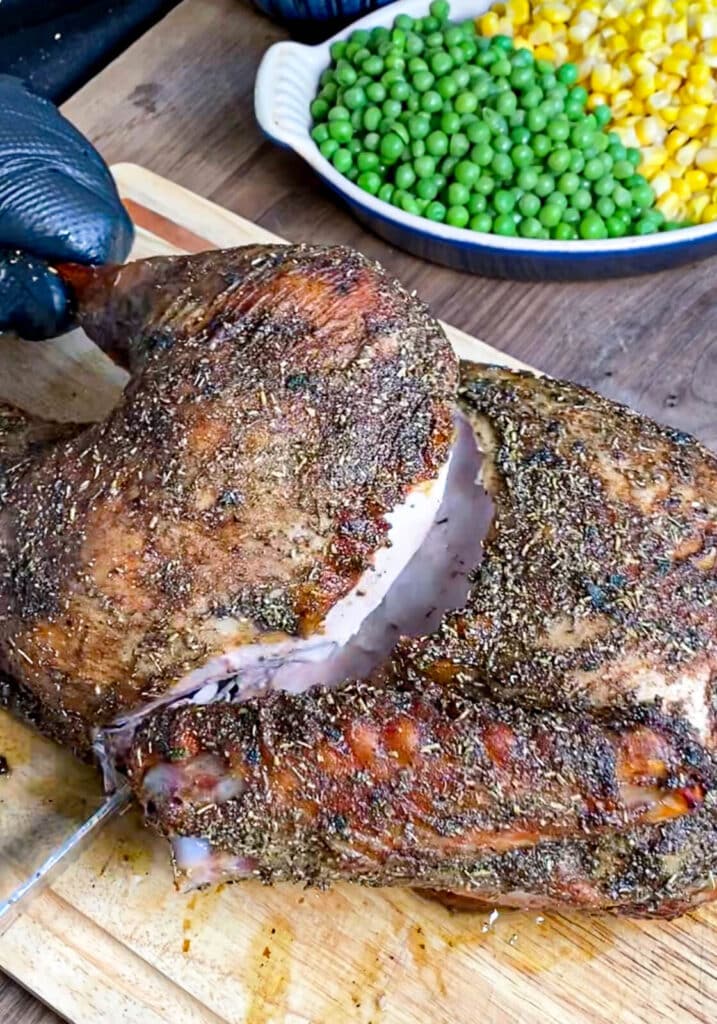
point(654, 63)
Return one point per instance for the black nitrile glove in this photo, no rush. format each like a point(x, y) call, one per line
point(58, 203)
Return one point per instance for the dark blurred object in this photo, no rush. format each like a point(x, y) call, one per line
point(58, 202)
point(313, 21)
point(57, 45)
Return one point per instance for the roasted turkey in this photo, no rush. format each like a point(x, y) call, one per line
point(541, 735)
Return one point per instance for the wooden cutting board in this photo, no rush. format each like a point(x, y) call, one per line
point(112, 941)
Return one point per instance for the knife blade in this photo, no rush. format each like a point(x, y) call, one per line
point(59, 859)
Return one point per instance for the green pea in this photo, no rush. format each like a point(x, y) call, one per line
point(615, 227)
point(467, 173)
point(622, 168)
point(400, 91)
point(457, 194)
point(341, 131)
point(564, 232)
point(502, 165)
point(440, 63)
point(345, 73)
point(558, 199)
point(592, 226)
point(567, 74)
point(319, 109)
point(579, 94)
point(391, 148)
point(370, 181)
point(423, 81)
point(594, 169)
point(427, 188)
point(569, 183)
point(485, 185)
point(462, 77)
point(603, 115)
point(605, 206)
point(507, 103)
point(431, 101)
point(477, 204)
point(465, 103)
point(529, 204)
point(502, 144)
point(504, 201)
point(550, 215)
point(520, 135)
point(605, 186)
point(376, 92)
point(436, 211)
point(582, 200)
point(425, 167)
point(478, 132)
point(541, 145)
point(522, 155)
point(391, 108)
point(367, 161)
point(481, 222)
point(342, 159)
point(573, 111)
point(372, 141)
point(440, 9)
point(559, 161)
point(404, 176)
point(642, 196)
point(577, 161)
point(530, 227)
point(634, 156)
point(437, 143)
point(450, 122)
point(338, 113)
point(414, 44)
point(544, 185)
point(527, 178)
point(373, 66)
point(559, 130)
point(356, 119)
point(338, 49)
point(522, 76)
point(320, 133)
point(482, 154)
point(504, 224)
point(457, 216)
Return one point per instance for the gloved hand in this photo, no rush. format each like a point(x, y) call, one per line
point(58, 203)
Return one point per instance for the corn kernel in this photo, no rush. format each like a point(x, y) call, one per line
point(649, 130)
point(542, 32)
point(636, 17)
point(706, 159)
point(706, 25)
point(489, 24)
point(681, 188)
point(699, 74)
point(661, 183)
point(640, 64)
point(644, 86)
point(556, 13)
point(675, 140)
point(670, 114)
point(676, 65)
point(683, 49)
point(696, 206)
point(658, 8)
point(648, 39)
point(692, 118)
point(518, 11)
point(653, 158)
point(544, 52)
point(696, 179)
point(687, 153)
point(671, 206)
point(709, 213)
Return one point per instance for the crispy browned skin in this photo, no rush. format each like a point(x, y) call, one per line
point(283, 400)
point(551, 743)
point(598, 581)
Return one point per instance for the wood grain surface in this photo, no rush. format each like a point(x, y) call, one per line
point(180, 102)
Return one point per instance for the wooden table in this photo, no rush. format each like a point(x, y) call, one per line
point(179, 102)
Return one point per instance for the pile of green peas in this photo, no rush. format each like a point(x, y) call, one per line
point(444, 123)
